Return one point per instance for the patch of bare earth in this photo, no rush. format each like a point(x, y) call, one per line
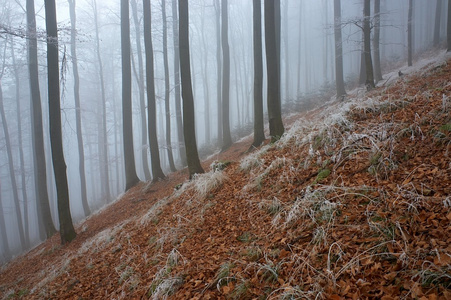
point(352, 203)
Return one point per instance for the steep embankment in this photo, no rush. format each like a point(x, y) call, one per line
point(353, 202)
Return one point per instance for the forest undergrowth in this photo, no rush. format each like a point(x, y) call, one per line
point(353, 202)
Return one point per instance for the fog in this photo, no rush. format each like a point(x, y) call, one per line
point(307, 75)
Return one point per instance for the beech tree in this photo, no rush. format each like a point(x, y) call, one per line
point(376, 40)
point(448, 28)
point(67, 232)
point(131, 179)
point(189, 131)
point(339, 81)
point(369, 82)
point(226, 136)
point(259, 132)
point(37, 134)
point(276, 128)
point(157, 172)
point(409, 34)
point(438, 14)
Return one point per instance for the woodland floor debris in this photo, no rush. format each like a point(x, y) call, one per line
point(353, 202)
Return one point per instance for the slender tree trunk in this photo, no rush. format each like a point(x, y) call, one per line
point(3, 233)
point(81, 151)
point(298, 78)
point(448, 28)
point(376, 40)
point(157, 172)
point(131, 179)
point(409, 34)
point(206, 84)
point(339, 81)
point(226, 136)
point(40, 172)
point(276, 128)
point(278, 26)
point(103, 138)
point(219, 69)
point(189, 131)
point(259, 132)
point(21, 155)
point(166, 89)
point(367, 44)
point(142, 104)
point(178, 99)
point(67, 232)
point(438, 14)
point(23, 241)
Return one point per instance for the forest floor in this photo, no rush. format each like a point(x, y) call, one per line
point(354, 202)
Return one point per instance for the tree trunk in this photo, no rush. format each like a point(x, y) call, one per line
point(67, 232)
point(157, 172)
point(23, 241)
point(298, 79)
point(226, 136)
point(142, 104)
point(339, 80)
point(3, 233)
point(131, 179)
point(369, 82)
point(81, 151)
point(409, 34)
point(37, 136)
point(194, 166)
point(438, 14)
point(259, 132)
point(376, 40)
point(178, 100)
point(206, 85)
point(219, 69)
point(20, 150)
point(166, 89)
point(103, 133)
point(448, 28)
point(276, 128)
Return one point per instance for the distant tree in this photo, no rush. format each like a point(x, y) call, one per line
point(409, 34)
point(194, 166)
point(376, 40)
point(3, 234)
point(131, 179)
point(178, 104)
point(448, 28)
point(67, 232)
point(276, 128)
point(367, 44)
point(167, 89)
point(141, 87)
point(339, 81)
point(102, 132)
point(259, 131)
point(81, 151)
point(12, 174)
point(226, 136)
point(157, 172)
point(37, 135)
point(438, 13)
point(219, 68)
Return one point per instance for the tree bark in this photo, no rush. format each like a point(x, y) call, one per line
point(369, 82)
point(219, 69)
point(226, 136)
point(339, 80)
point(409, 34)
point(259, 132)
point(157, 172)
point(276, 128)
point(131, 179)
point(141, 85)
point(67, 232)
point(3, 233)
point(189, 131)
point(166, 89)
point(376, 40)
point(81, 151)
point(448, 28)
point(37, 136)
point(178, 99)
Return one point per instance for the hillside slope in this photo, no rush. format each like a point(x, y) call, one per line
point(354, 202)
